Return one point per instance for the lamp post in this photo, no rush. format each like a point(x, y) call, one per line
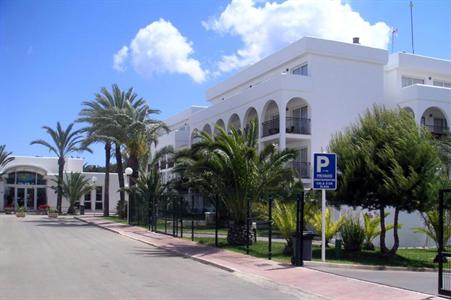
point(128, 173)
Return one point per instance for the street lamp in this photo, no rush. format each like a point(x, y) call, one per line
point(128, 173)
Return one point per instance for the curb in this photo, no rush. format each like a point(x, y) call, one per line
point(313, 264)
point(184, 255)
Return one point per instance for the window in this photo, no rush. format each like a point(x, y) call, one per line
point(88, 201)
point(99, 203)
point(442, 83)
point(301, 70)
point(407, 81)
point(41, 180)
point(11, 178)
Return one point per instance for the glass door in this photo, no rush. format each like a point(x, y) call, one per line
point(30, 199)
point(20, 197)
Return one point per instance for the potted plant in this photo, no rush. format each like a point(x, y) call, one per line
point(43, 208)
point(9, 209)
point(52, 213)
point(21, 212)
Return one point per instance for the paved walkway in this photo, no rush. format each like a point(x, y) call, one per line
point(315, 282)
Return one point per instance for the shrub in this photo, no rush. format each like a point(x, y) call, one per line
point(22, 209)
point(332, 227)
point(352, 234)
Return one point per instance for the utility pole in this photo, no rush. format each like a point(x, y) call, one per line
point(411, 24)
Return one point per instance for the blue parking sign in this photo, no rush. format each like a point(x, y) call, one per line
point(324, 171)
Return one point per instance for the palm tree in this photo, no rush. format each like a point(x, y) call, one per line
point(229, 165)
point(5, 157)
point(149, 186)
point(371, 226)
point(332, 227)
point(432, 226)
point(63, 142)
point(74, 187)
point(121, 118)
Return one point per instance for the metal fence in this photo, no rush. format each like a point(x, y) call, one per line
point(444, 245)
point(203, 218)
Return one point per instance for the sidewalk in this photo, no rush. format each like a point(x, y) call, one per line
point(310, 281)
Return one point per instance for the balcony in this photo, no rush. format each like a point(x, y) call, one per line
point(293, 126)
point(298, 125)
point(302, 169)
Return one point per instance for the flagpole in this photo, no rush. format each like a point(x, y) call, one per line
point(411, 24)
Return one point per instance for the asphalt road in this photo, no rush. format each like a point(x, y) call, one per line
point(424, 282)
point(41, 258)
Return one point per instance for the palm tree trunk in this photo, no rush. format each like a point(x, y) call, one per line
point(106, 191)
point(132, 203)
point(395, 233)
point(59, 197)
point(383, 247)
point(120, 172)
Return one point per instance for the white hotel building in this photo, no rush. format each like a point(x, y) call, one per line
point(312, 89)
point(27, 181)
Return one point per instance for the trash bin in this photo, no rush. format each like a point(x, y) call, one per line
point(307, 247)
point(209, 218)
point(338, 243)
point(82, 209)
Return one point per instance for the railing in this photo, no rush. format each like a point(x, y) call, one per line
point(437, 129)
point(298, 125)
point(293, 125)
point(271, 127)
point(302, 168)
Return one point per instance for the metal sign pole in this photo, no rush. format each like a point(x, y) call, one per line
point(323, 225)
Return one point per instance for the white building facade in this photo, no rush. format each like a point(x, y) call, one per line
point(27, 182)
point(303, 94)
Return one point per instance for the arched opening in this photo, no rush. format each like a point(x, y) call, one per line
point(234, 122)
point(251, 116)
point(435, 121)
point(271, 122)
point(410, 111)
point(298, 116)
point(207, 129)
point(219, 123)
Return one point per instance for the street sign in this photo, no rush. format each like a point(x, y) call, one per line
point(324, 171)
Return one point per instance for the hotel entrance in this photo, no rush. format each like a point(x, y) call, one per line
point(25, 189)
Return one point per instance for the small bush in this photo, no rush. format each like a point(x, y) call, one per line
point(353, 235)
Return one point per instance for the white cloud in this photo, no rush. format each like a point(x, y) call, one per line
point(119, 59)
point(160, 48)
point(266, 27)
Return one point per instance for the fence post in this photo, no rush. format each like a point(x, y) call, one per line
point(270, 227)
point(216, 220)
point(440, 241)
point(174, 222)
point(248, 213)
point(298, 253)
point(166, 214)
point(192, 217)
point(149, 213)
point(181, 215)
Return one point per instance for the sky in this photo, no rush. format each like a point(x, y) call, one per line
point(56, 54)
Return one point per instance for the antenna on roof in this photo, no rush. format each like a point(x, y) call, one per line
point(411, 23)
point(394, 33)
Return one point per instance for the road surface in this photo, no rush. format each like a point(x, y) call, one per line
point(42, 258)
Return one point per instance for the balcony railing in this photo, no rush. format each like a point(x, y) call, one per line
point(271, 127)
point(293, 125)
point(437, 129)
point(302, 168)
point(298, 125)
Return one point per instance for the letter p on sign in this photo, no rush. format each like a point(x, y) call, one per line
point(323, 162)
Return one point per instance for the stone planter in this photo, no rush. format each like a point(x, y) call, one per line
point(53, 215)
point(21, 214)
